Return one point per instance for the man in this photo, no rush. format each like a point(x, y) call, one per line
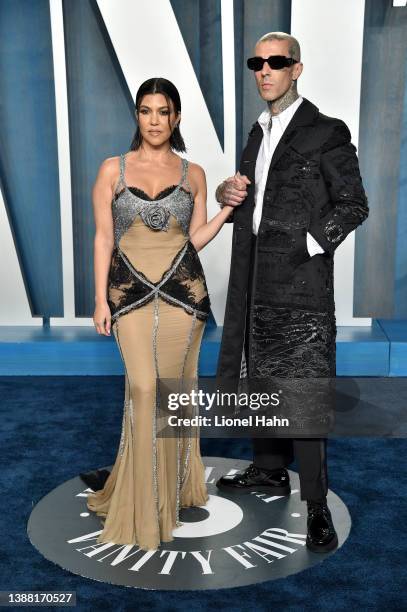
point(296, 197)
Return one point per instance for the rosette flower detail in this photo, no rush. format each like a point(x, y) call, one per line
point(155, 216)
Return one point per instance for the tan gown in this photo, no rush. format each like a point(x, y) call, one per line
point(159, 303)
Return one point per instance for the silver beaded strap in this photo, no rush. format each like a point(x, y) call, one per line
point(185, 176)
point(156, 404)
point(128, 402)
point(187, 349)
point(166, 277)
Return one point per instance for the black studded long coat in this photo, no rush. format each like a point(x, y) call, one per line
point(280, 302)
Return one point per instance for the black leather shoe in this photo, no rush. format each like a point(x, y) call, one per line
point(276, 482)
point(321, 535)
point(96, 479)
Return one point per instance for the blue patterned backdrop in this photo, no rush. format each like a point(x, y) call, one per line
point(28, 151)
point(101, 124)
point(381, 245)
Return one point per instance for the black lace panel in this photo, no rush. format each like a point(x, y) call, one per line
point(180, 284)
point(129, 290)
point(124, 287)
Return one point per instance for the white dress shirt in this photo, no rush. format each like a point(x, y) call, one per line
point(268, 145)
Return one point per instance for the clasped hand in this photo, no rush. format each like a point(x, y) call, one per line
point(232, 191)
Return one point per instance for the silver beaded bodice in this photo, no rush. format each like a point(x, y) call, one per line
point(154, 213)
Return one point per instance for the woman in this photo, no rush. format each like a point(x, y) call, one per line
point(150, 215)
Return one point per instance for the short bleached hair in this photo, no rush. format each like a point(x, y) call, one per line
point(294, 46)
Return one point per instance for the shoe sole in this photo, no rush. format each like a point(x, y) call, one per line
point(266, 488)
point(323, 549)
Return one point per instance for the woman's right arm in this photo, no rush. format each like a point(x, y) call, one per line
point(102, 195)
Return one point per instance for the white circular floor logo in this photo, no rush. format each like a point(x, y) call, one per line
point(236, 539)
point(223, 515)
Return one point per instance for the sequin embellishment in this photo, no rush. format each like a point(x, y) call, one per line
point(126, 205)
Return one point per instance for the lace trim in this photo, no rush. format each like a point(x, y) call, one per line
point(173, 288)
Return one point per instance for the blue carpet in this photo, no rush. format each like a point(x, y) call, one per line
point(52, 428)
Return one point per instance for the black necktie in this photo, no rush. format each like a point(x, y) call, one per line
point(270, 123)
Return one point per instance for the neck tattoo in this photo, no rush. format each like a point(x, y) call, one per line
point(290, 96)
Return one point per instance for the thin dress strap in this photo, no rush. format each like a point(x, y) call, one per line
point(121, 182)
point(184, 179)
point(122, 164)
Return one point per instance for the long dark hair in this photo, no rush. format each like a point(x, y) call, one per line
point(170, 92)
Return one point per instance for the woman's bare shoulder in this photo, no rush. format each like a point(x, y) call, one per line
point(196, 178)
point(110, 166)
point(109, 172)
point(196, 174)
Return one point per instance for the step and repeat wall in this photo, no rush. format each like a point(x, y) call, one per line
point(69, 73)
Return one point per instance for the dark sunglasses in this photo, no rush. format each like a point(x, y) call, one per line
point(276, 62)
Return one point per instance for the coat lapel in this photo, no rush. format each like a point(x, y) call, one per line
point(305, 114)
point(248, 167)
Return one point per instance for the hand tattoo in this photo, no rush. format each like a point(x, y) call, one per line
point(220, 193)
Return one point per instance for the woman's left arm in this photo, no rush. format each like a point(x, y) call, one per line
point(202, 231)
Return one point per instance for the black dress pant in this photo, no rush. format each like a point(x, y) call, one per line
point(310, 453)
point(274, 453)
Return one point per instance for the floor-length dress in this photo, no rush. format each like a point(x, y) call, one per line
point(159, 303)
